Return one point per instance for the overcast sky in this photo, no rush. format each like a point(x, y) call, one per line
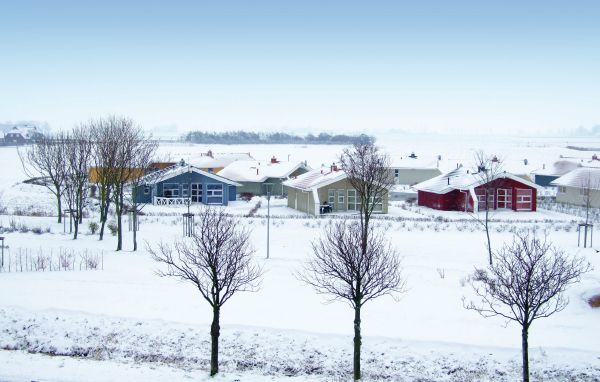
point(371, 66)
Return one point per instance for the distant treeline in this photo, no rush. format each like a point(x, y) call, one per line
point(241, 137)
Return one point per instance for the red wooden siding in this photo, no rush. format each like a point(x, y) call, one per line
point(514, 195)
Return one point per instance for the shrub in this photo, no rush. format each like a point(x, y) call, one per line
point(93, 226)
point(246, 196)
point(112, 228)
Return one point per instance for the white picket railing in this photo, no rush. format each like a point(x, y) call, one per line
point(162, 201)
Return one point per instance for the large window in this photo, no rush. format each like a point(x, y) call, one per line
point(378, 204)
point(185, 190)
point(353, 201)
point(331, 197)
point(341, 199)
point(481, 204)
point(214, 194)
point(196, 193)
point(171, 190)
point(504, 198)
point(524, 199)
point(562, 189)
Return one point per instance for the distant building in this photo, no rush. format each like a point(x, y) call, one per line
point(215, 162)
point(463, 190)
point(20, 135)
point(545, 175)
point(261, 177)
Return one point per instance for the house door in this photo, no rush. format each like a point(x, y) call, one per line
point(504, 198)
point(196, 192)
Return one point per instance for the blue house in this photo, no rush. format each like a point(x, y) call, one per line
point(177, 184)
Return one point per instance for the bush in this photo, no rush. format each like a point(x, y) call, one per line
point(93, 226)
point(112, 227)
point(246, 196)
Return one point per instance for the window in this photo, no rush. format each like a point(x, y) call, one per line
point(171, 190)
point(481, 201)
point(378, 204)
point(185, 190)
point(584, 191)
point(524, 199)
point(504, 198)
point(211, 170)
point(562, 189)
point(342, 198)
point(331, 197)
point(146, 190)
point(214, 194)
point(353, 203)
point(396, 173)
point(268, 188)
point(196, 192)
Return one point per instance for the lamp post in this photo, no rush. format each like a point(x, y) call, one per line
point(2, 264)
point(268, 219)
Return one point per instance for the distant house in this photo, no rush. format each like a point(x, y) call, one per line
point(326, 189)
point(578, 186)
point(260, 177)
point(215, 162)
point(410, 170)
point(545, 175)
point(20, 135)
point(464, 190)
point(182, 183)
point(95, 174)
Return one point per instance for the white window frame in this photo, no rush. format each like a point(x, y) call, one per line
point(506, 198)
point(214, 193)
point(378, 205)
point(355, 205)
point(341, 198)
point(481, 201)
point(562, 189)
point(331, 197)
point(196, 192)
point(174, 187)
point(521, 199)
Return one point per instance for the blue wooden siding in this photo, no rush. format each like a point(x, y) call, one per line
point(213, 190)
point(544, 180)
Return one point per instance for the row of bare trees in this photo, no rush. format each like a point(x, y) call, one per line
point(354, 262)
point(114, 150)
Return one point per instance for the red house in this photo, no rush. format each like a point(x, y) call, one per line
point(464, 190)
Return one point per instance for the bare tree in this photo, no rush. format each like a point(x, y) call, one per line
point(105, 134)
point(527, 281)
point(141, 160)
point(489, 167)
point(342, 269)
point(587, 190)
point(78, 155)
point(45, 159)
point(368, 172)
point(217, 260)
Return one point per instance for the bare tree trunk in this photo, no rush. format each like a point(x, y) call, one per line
point(487, 234)
point(119, 211)
point(134, 226)
point(525, 352)
point(104, 206)
point(215, 331)
point(76, 226)
point(357, 343)
point(59, 204)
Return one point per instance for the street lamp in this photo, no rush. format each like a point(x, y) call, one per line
point(268, 218)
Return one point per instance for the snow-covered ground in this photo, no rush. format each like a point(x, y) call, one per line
point(123, 322)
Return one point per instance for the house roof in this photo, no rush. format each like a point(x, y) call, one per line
point(178, 169)
point(462, 178)
point(259, 171)
point(218, 160)
point(580, 178)
point(315, 179)
point(557, 168)
point(417, 163)
point(26, 131)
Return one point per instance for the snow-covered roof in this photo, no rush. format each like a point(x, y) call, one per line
point(462, 178)
point(558, 168)
point(218, 160)
point(420, 163)
point(315, 179)
point(259, 171)
point(581, 177)
point(178, 169)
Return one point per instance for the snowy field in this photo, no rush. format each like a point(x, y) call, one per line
point(122, 322)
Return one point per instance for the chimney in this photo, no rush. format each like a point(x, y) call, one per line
point(448, 181)
point(333, 167)
point(495, 159)
point(525, 162)
point(544, 166)
point(257, 171)
point(274, 160)
point(595, 157)
point(210, 153)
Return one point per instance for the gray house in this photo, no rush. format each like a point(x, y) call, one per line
point(579, 187)
point(260, 177)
